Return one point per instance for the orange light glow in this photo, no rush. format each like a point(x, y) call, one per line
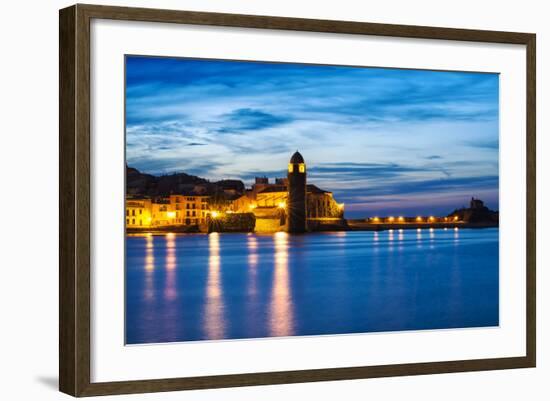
point(281, 308)
point(214, 307)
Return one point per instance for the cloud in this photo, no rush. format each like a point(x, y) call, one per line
point(365, 132)
point(484, 143)
point(376, 172)
point(194, 167)
point(373, 170)
point(427, 186)
point(250, 176)
point(249, 120)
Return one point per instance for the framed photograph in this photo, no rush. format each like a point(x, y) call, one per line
point(250, 200)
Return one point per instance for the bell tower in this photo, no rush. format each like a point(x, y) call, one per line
point(296, 194)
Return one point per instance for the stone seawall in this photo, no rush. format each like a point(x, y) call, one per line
point(246, 222)
point(268, 225)
point(234, 222)
point(327, 224)
point(355, 225)
point(179, 229)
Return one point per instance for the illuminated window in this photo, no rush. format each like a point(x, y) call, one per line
point(302, 168)
point(291, 168)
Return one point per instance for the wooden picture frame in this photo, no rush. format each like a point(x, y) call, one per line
point(74, 204)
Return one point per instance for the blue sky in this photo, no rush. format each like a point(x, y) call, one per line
point(384, 141)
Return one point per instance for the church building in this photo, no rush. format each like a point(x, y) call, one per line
point(289, 204)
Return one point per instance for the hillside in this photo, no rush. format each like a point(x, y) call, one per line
point(142, 184)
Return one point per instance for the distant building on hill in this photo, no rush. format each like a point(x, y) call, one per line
point(476, 213)
point(476, 204)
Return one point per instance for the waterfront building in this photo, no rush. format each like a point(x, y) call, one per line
point(321, 204)
point(188, 209)
point(272, 196)
point(174, 210)
point(138, 213)
point(161, 213)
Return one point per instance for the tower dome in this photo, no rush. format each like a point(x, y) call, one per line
point(297, 158)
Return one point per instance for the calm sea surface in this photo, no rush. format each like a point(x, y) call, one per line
point(228, 286)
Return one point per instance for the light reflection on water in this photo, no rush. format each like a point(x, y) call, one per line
point(252, 291)
point(281, 302)
point(252, 244)
point(171, 291)
point(214, 322)
point(229, 286)
point(149, 267)
point(419, 238)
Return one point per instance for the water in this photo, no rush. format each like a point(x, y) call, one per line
point(229, 286)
